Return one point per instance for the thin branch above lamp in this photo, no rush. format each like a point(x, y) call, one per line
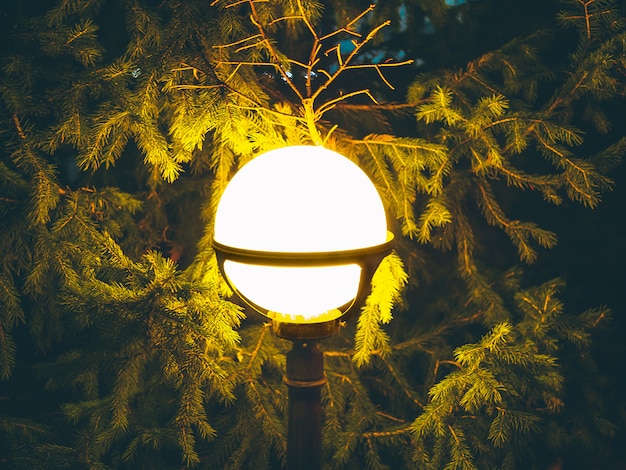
point(299, 232)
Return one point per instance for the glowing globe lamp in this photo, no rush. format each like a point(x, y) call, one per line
point(299, 231)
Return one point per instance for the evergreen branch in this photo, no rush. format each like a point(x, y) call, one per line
point(156, 150)
point(464, 236)
point(66, 8)
point(460, 451)
point(383, 172)
point(305, 19)
point(272, 51)
point(485, 380)
point(116, 124)
point(436, 150)
point(18, 126)
point(472, 75)
point(438, 108)
point(385, 434)
point(235, 43)
point(255, 352)
point(400, 381)
point(546, 184)
point(416, 342)
point(271, 425)
point(126, 384)
point(376, 106)
point(387, 283)
point(45, 192)
point(517, 231)
point(593, 16)
point(415, 166)
point(83, 29)
point(435, 215)
point(493, 212)
point(7, 354)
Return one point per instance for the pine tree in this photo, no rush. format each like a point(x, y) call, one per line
point(123, 121)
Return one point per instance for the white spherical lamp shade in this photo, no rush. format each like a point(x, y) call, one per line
point(293, 202)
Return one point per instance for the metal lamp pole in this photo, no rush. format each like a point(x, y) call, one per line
point(304, 378)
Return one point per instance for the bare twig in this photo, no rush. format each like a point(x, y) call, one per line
point(311, 110)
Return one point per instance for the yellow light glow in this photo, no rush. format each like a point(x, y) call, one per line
point(299, 199)
point(298, 295)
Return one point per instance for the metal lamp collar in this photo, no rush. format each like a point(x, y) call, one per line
point(368, 258)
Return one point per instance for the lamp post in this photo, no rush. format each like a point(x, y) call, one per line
point(299, 232)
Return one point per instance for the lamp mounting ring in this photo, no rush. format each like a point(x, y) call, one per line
point(304, 259)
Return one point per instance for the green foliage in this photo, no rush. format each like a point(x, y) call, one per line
point(123, 122)
point(387, 284)
point(504, 387)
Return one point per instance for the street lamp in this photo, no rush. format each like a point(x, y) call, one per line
point(299, 232)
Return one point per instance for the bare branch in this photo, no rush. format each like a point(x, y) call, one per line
point(328, 105)
point(348, 28)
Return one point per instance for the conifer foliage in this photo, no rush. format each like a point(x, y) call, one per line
point(122, 123)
